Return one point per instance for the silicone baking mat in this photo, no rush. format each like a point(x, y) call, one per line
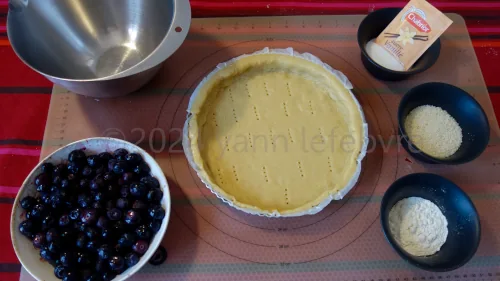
point(208, 240)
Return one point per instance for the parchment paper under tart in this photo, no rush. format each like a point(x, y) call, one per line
point(276, 133)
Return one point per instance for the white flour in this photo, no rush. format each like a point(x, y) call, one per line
point(418, 226)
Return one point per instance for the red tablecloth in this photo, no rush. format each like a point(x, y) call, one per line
point(25, 95)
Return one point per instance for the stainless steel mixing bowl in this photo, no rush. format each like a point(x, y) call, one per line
point(98, 48)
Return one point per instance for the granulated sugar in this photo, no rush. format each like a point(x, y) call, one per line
point(434, 131)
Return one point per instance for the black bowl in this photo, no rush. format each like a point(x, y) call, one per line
point(371, 27)
point(461, 106)
point(464, 230)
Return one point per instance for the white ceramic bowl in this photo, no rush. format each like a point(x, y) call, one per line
point(30, 257)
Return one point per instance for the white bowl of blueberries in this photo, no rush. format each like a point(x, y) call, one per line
point(94, 210)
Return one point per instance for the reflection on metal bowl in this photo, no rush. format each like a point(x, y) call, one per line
point(97, 48)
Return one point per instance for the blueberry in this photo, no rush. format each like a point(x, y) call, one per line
point(82, 258)
point(124, 191)
point(52, 235)
point(127, 240)
point(111, 164)
point(59, 170)
point(42, 178)
point(74, 168)
point(38, 211)
point(120, 153)
point(121, 250)
point(159, 257)
point(64, 220)
point(118, 227)
point(97, 205)
point(93, 277)
point(106, 234)
point(128, 177)
point(104, 252)
point(39, 240)
point(65, 184)
point(113, 190)
point(57, 180)
point(99, 196)
point(150, 182)
point(93, 161)
point(133, 158)
point(89, 216)
point(156, 212)
point(67, 234)
point(47, 255)
point(92, 246)
point(155, 226)
point(143, 232)
point(48, 222)
point(154, 195)
point(132, 217)
point(81, 240)
point(105, 156)
point(122, 203)
point(114, 214)
point(43, 188)
point(84, 200)
point(132, 259)
point(97, 183)
point(102, 222)
point(56, 200)
point(141, 169)
point(108, 177)
point(59, 271)
point(47, 168)
point(54, 188)
point(79, 226)
point(91, 232)
point(84, 183)
point(45, 197)
point(117, 263)
point(54, 247)
point(138, 189)
point(139, 205)
point(67, 259)
point(77, 156)
point(74, 214)
point(140, 247)
point(120, 167)
point(101, 266)
point(100, 170)
point(27, 215)
point(28, 203)
point(109, 205)
point(27, 228)
point(70, 276)
point(108, 276)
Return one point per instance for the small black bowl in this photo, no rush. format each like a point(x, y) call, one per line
point(461, 106)
point(464, 229)
point(371, 27)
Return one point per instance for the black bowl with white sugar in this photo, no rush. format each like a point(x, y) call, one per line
point(442, 124)
point(430, 222)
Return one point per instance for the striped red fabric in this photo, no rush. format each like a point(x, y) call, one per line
point(25, 95)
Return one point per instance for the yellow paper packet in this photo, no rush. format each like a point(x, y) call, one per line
point(413, 31)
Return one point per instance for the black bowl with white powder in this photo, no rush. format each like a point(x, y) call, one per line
point(419, 210)
point(370, 28)
point(447, 125)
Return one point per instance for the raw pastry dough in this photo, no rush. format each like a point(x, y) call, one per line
point(276, 133)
